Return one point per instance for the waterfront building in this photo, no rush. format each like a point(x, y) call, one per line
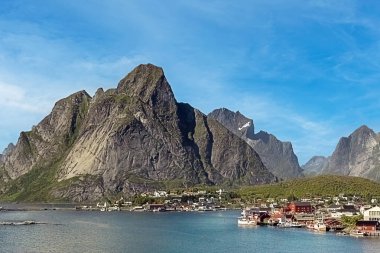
point(372, 214)
point(300, 207)
point(367, 226)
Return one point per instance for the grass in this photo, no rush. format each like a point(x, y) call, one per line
point(32, 186)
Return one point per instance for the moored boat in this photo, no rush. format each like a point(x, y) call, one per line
point(244, 221)
point(319, 226)
point(358, 233)
point(247, 219)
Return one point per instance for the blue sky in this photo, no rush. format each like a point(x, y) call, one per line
point(306, 71)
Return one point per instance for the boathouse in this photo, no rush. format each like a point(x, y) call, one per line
point(367, 226)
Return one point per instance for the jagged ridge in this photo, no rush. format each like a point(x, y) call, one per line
point(276, 155)
point(125, 140)
point(355, 155)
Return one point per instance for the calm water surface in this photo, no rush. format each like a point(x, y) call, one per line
point(73, 231)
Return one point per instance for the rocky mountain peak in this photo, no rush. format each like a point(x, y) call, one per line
point(276, 155)
point(315, 165)
point(263, 136)
point(356, 155)
point(362, 135)
point(148, 83)
point(235, 122)
point(8, 149)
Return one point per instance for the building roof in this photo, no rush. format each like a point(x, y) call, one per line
point(301, 203)
point(349, 207)
point(367, 223)
point(376, 208)
point(334, 206)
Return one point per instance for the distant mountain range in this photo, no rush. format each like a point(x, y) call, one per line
point(356, 155)
point(137, 138)
point(131, 139)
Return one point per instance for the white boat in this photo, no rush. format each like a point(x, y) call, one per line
point(358, 233)
point(288, 224)
point(245, 221)
point(284, 224)
point(296, 224)
point(319, 226)
point(138, 209)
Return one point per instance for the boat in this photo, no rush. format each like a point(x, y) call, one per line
point(284, 224)
point(295, 224)
point(245, 221)
point(319, 226)
point(358, 233)
point(288, 224)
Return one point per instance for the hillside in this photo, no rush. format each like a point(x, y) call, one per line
point(325, 185)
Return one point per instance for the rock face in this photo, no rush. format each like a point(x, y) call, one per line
point(315, 165)
point(276, 155)
point(126, 140)
point(356, 155)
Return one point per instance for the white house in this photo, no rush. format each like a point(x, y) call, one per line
point(158, 194)
point(364, 208)
point(372, 214)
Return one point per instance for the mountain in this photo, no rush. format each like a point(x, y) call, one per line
point(126, 140)
point(315, 165)
point(356, 155)
point(276, 155)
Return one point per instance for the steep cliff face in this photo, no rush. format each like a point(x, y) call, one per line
point(235, 122)
point(356, 155)
point(49, 138)
point(277, 156)
point(129, 139)
point(315, 165)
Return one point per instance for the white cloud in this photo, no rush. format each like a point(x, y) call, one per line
point(14, 97)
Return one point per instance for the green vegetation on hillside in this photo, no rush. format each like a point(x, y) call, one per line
point(37, 185)
point(32, 186)
point(326, 185)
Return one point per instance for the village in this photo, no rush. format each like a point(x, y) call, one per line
point(345, 215)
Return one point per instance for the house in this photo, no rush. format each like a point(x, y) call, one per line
point(333, 208)
point(158, 194)
point(304, 218)
point(348, 210)
point(367, 226)
point(300, 207)
point(156, 207)
point(372, 214)
point(363, 208)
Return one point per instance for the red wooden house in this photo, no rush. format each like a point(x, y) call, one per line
point(300, 207)
point(368, 226)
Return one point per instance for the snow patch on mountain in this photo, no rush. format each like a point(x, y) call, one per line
point(245, 125)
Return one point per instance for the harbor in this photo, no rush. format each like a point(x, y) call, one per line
point(169, 232)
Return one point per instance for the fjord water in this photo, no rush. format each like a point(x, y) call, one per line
point(80, 231)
